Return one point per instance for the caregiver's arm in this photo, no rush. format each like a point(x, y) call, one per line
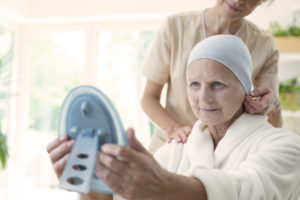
point(266, 88)
point(137, 175)
point(152, 107)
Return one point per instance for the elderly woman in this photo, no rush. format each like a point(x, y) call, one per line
point(229, 154)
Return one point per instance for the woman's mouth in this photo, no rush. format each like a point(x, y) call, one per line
point(232, 7)
point(208, 110)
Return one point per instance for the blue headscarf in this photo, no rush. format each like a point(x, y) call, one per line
point(228, 50)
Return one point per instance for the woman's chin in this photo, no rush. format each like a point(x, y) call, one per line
point(209, 121)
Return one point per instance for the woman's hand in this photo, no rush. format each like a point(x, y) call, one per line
point(180, 134)
point(159, 115)
point(58, 151)
point(262, 101)
point(131, 172)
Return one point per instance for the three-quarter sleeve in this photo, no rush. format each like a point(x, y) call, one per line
point(268, 74)
point(157, 65)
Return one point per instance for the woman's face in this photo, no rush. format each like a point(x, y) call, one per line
point(237, 9)
point(215, 94)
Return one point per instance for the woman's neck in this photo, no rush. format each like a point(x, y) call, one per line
point(218, 131)
point(216, 23)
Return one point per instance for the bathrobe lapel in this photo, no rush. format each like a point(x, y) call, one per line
point(244, 126)
point(200, 148)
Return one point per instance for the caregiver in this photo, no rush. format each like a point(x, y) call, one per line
point(166, 64)
point(229, 155)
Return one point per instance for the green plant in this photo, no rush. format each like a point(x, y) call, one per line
point(289, 86)
point(292, 30)
point(3, 144)
point(3, 150)
point(288, 94)
point(4, 63)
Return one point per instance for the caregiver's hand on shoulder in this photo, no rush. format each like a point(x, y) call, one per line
point(58, 151)
point(262, 100)
point(131, 172)
point(180, 135)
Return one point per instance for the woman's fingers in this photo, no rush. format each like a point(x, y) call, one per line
point(261, 101)
point(125, 153)
point(255, 107)
point(55, 143)
point(64, 148)
point(113, 180)
point(113, 163)
point(178, 138)
point(58, 151)
point(129, 171)
point(60, 165)
point(182, 134)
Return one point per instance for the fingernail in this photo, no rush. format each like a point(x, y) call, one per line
point(63, 137)
point(104, 148)
point(252, 93)
point(71, 142)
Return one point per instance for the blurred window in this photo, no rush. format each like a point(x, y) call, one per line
point(55, 61)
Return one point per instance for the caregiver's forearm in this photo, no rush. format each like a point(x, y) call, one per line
point(158, 114)
point(275, 117)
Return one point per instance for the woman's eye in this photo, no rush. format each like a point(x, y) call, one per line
point(195, 84)
point(217, 84)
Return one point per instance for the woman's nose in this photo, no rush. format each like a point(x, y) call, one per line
point(205, 95)
point(239, 2)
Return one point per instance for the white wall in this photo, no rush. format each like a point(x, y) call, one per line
point(104, 7)
point(281, 10)
point(18, 6)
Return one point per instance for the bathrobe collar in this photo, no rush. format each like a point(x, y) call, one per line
point(200, 147)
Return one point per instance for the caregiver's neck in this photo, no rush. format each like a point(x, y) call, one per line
point(216, 23)
point(218, 131)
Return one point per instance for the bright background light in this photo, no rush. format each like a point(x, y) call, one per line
point(57, 45)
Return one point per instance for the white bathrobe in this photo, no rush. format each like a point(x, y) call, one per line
point(253, 161)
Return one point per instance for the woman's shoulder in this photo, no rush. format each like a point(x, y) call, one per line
point(183, 17)
point(186, 14)
point(256, 32)
point(256, 38)
point(270, 135)
point(169, 153)
point(261, 131)
point(169, 148)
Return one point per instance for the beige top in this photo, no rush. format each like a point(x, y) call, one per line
point(168, 57)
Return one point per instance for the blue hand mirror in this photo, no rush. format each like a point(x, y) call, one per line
point(89, 117)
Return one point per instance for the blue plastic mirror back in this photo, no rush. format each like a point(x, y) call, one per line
point(90, 118)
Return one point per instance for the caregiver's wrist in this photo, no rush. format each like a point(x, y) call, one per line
point(173, 126)
point(277, 106)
